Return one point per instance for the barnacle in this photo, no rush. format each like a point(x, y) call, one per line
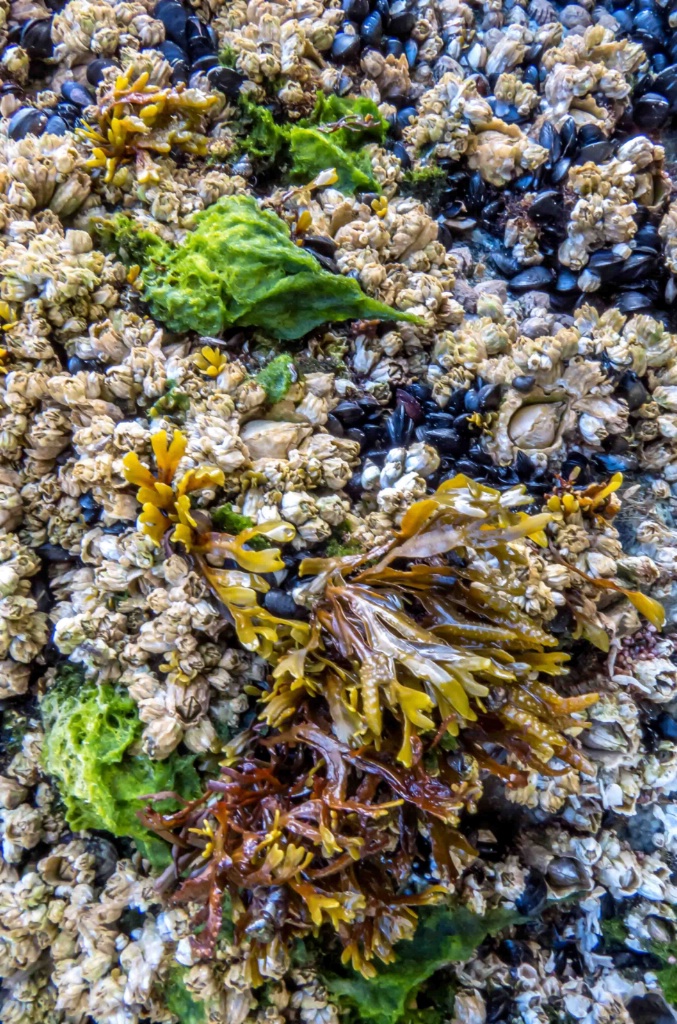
point(134, 118)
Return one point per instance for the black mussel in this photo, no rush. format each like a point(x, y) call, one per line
point(96, 68)
point(476, 194)
point(456, 403)
point(393, 47)
point(481, 457)
point(346, 47)
point(322, 244)
point(382, 7)
point(560, 170)
point(532, 278)
point(608, 462)
point(281, 604)
point(637, 266)
point(624, 19)
point(632, 302)
point(402, 18)
point(411, 52)
point(421, 392)
point(173, 54)
point(513, 952)
point(632, 390)
point(469, 467)
point(665, 79)
point(659, 62)
point(568, 136)
point(207, 63)
point(226, 80)
point(439, 420)
point(531, 76)
point(411, 405)
point(472, 401)
point(53, 553)
point(575, 467)
point(505, 264)
point(524, 467)
point(567, 282)
point(547, 206)
point(500, 1007)
point(56, 125)
point(371, 29)
point(89, 508)
point(588, 133)
point(648, 30)
point(36, 37)
point(353, 434)
point(666, 726)
point(400, 428)
point(334, 426)
point(68, 111)
point(200, 38)
point(533, 898)
point(174, 17)
point(648, 238)
point(492, 211)
point(349, 413)
point(523, 383)
point(650, 1009)
point(525, 182)
point(117, 528)
point(400, 151)
point(548, 137)
point(356, 10)
point(489, 397)
point(445, 440)
point(596, 152)
point(651, 111)
point(605, 263)
point(404, 117)
point(76, 94)
point(26, 121)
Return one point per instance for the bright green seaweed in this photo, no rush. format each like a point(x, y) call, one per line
point(333, 136)
point(444, 935)
point(240, 267)
point(89, 733)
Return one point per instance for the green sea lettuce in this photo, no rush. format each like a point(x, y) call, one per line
point(240, 267)
point(179, 1000)
point(277, 377)
point(90, 731)
point(444, 935)
point(309, 148)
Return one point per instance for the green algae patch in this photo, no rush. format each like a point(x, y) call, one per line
point(180, 1001)
point(444, 935)
point(239, 267)
point(90, 731)
point(277, 377)
point(333, 136)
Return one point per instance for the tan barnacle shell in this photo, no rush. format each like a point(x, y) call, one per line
point(269, 439)
point(533, 425)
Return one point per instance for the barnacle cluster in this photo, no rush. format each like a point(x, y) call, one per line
point(338, 548)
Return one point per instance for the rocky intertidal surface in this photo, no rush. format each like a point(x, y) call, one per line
point(338, 512)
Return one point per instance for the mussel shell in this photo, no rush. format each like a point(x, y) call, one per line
point(26, 121)
point(36, 37)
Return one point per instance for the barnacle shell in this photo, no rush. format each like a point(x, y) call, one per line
point(271, 439)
